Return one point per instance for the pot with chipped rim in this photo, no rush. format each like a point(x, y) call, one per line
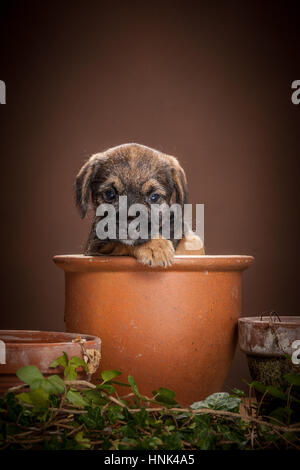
point(41, 348)
point(270, 342)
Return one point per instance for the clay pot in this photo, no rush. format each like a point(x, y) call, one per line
point(266, 342)
point(40, 348)
point(173, 328)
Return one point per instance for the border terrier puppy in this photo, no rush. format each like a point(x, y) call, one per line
point(146, 176)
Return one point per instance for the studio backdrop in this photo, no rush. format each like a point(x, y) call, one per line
point(207, 82)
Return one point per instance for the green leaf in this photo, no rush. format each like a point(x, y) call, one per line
point(219, 401)
point(238, 392)
point(54, 384)
point(29, 374)
point(37, 384)
point(293, 379)
point(70, 372)
point(275, 392)
point(206, 440)
point(280, 414)
point(108, 375)
point(76, 399)
point(25, 397)
point(172, 441)
point(165, 396)
point(141, 418)
point(70, 366)
point(197, 405)
point(61, 361)
point(127, 443)
point(84, 442)
point(78, 362)
point(114, 413)
point(129, 431)
point(202, 421)
point(133, 385)
point(94, 397)
point(39, 398)
point(230, 434)
point(123, 384)
point(258, 386)
point(107, 387)
point(290, 436)
point(165, 392)
point(93, 419)
point(54, 400)
point(270, 436)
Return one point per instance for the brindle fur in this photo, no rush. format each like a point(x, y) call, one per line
point(136, 171)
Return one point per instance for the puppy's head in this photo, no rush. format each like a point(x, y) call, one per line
point(144, 175)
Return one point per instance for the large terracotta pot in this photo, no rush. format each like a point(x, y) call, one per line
point(174, 328)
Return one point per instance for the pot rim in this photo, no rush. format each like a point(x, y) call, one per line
point(90, 339)
point(286, 321)
point(80, 262)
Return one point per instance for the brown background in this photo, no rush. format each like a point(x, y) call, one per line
point(210, 84)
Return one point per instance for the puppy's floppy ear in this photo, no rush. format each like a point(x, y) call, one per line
point(83, 183)
point(180, 194)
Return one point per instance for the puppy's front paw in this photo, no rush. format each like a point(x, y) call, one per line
point(157, 252)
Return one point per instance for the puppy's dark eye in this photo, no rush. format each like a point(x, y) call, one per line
point(109, 195)
point(154, 197)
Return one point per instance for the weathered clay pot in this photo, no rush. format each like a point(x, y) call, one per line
point(266, 343)
point(40, 348)
point(174, 328)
